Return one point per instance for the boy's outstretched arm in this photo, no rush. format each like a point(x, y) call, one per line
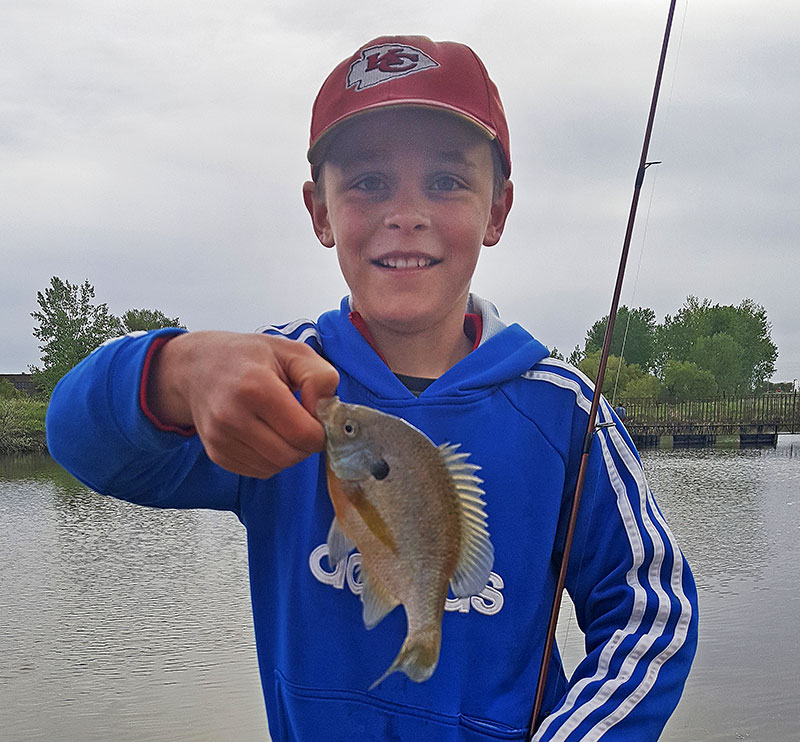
point(237, 391)
point(148, 416)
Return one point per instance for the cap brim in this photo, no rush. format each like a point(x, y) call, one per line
point(317, 151)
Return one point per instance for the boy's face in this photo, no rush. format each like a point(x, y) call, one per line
point(407, 198)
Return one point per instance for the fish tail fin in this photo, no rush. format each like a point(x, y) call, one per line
point(418, 656)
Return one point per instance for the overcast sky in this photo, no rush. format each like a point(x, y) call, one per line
point(157, 148)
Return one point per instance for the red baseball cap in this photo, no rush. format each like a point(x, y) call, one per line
point(410, 71)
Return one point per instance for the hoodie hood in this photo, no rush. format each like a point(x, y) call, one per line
point(504, 353)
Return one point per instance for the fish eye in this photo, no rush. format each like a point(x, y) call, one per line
point(350, 428)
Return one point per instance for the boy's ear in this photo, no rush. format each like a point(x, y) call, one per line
point(318, 210)
point(497, 218)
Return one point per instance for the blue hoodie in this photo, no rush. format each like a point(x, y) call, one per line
point(522, 417)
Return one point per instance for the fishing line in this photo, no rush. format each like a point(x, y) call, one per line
point(582, 547)
point(668, 108)
point(593, 427)
point(665, 127)
point(633, 291)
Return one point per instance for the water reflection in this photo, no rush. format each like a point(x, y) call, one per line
point(37, 468)
point(128, 623)
point(735, 516)
point(713, 500)
point(120, 622)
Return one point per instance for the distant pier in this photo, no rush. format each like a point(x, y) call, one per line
point(756, 420)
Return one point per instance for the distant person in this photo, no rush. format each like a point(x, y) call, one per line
point(410, 160)
point(622, 413)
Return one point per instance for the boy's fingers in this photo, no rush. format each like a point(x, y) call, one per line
point(288, 422)
point(243, 399)
point(321, 386)
point(313, 376)
point(273, 400)
point(261, 453)
point(264, 432)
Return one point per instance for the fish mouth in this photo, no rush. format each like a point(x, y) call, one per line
point(405, 262)
point(325, 408)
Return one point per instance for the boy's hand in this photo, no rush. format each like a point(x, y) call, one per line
point(236, 389)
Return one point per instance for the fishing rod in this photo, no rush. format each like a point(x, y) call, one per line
point(592, 426)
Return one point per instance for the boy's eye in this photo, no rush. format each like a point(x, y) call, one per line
point(445, 183)
point(369, 183)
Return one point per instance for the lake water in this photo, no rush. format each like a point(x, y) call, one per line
point(126, 623)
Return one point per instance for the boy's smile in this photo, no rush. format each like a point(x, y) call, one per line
point(404, 262)
point(406, 196)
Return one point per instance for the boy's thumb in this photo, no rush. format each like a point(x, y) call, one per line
point(318, 380)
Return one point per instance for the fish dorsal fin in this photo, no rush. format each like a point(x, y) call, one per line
point(376, 599)
point(339, 544)
point(476, 556)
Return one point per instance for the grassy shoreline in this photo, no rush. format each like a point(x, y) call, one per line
point(22, 425)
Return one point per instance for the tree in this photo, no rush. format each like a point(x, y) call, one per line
point(576, 356)
point(646, 386)
point(70, 326)
point(618, 373)
point(686, 380)
point(733, 343)
point(723, 357)
point(636, 327)
point(147, 319)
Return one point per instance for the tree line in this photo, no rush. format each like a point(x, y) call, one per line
point(704, 350)
point(70, 325)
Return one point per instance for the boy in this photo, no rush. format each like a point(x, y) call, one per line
point(410, 162)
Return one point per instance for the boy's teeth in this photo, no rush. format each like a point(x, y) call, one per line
point(406, 262)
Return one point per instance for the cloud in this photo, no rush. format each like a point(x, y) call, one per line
point(158, 150)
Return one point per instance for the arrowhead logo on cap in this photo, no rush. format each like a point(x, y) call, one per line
point(386, 62)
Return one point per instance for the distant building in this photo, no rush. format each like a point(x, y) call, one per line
point(22, 382)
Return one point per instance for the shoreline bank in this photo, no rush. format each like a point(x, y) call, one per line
point(22, 428)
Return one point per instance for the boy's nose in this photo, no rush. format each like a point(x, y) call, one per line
point(407, 213)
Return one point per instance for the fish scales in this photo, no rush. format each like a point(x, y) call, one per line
point(415, 512)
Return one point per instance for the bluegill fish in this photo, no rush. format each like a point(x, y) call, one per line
point(415, 511)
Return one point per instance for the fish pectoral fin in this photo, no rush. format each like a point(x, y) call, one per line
point(476, 555)
point(377, 601)
point(373, 520)
point(339, 544)
point(474, 565)
point(353, 495)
